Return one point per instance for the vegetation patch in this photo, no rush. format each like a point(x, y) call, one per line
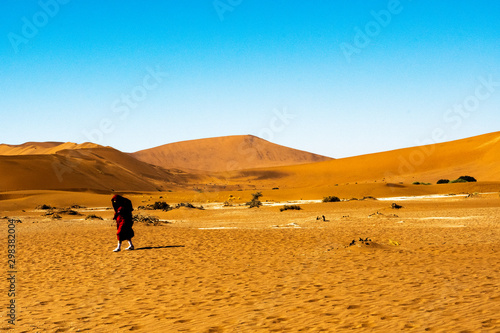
point(331, 199)
point(158, 205)
point(77, 207)
point(149, 220)
point(188, 205)
point(366, 241)
point(162, 205)
point(68, 211)
point(290, 207)
point(93, 217)
point(255, 202)
point(464, 179)
point(229, 201)
point(152, 220)
point(421, 183)
point(44, 207)
point(461, 179)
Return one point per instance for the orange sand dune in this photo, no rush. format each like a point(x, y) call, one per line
point(224, 154)
point(42, 148)
point(28, 200)
point(477, 157)
point(382, 174)
point(104, 169)
point(430, 266)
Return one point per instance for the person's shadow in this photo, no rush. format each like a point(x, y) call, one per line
point(158, 247)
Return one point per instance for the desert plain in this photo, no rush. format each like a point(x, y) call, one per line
point(359, 264)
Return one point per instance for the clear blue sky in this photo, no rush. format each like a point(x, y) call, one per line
point(338, 78)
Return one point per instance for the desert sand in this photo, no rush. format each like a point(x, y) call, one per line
point(430, 266)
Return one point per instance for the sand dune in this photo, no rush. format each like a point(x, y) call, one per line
point(103, 169)
point(382, 174)
point(429, 266)
point(43, 148)
point(224, 154)
point(477, 157)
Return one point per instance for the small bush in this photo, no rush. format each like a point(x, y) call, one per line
point(290, 207)
point(146, 219)
point(161, 205)
point(443, 181)
point(149, 220)
point(331, 199)
point(158, 205)
point(93, 217)
point(188, 205)
point(68, 211)
point(255, 202)
point(465, 179)
point(44, 206)
point(77, 207)
point(420, 183)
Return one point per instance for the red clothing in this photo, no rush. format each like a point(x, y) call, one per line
point(123, 216)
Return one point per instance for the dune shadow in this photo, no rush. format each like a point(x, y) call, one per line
point(395, 185)
point(157, 247)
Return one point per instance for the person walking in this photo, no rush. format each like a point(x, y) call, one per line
point(123, 216)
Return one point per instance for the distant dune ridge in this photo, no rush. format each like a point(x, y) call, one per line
point(477, 156)
point(239, 160)
point(225, 154)
point(79, 169)
point(43, 148)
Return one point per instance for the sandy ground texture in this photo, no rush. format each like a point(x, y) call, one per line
point(431, 266)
